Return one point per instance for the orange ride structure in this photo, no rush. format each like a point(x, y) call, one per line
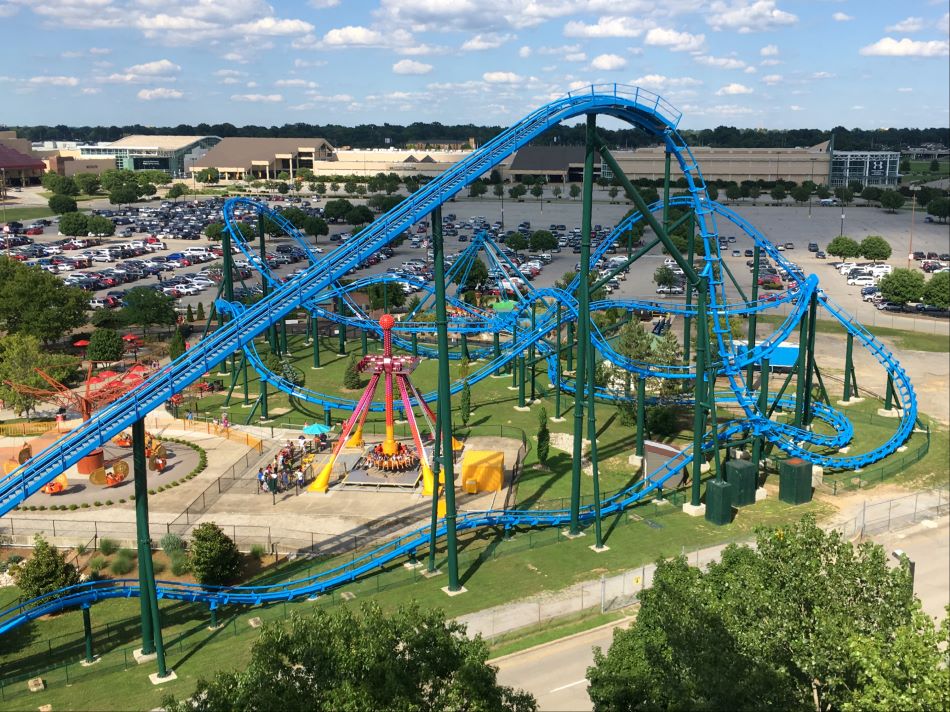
point(390, 455)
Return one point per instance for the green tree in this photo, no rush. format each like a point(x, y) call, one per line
point(733, 191)
point(214, 230)
point(712, 190)
point(664, 277)
point(574, 191)
point(20, 356)
point(385, 296)
point(316, 226)
point(178, 190)
point(74, 224)
point(517, 191)
point(902, 286)
point(556, 191)
point(537, 190)
point(105, 345)
point(844, 247)
point(871, 194)
point(934, 166)
point(544, 437)
point(465, 403)
point(283, 188)
point(208, 175)
point(801, 194)
point(543, 240)
point(477, 189)
point(214, 557)
point(662, 421)
point(189, 315)
point(145, 307)
point(320, 188)
point(359, 215)
point(517, 242)
point(891, 200)
point(875, 248)
point(337, 209)
point(349, 187)
point(905, 165)
point(666, 351)
point(477, 274)
point(937, 290)
point(147, 189)
point(124, 195)
point(351, 377)
point(100, 226)
point(823, 191)
point(35, 302)
point(44, 572)
point(498, 190)
point(845, 195)
point(778, 193)
point(60, 204)
point(60, 185)
point(200, 312)
point(176, 347)
point(803, 621)
point(408, 659)
point(939, 208)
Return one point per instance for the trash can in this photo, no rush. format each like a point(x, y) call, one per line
point(719, 502)
point(794, 481)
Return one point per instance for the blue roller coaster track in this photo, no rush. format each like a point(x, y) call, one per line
point(317, 287)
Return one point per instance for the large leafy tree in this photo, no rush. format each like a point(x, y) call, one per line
point(543, 240)
point(385, 296)
point(35, 302)
point(74, 224)
point(517, 242)
point(20, 356)
point(902, 286)
point(60, 204)
point(359, 215)
point(664, 277)
point(105, 345)
point(45, 571)
point(937, 290)
point(88, 183)
point(337, 209)
point(476, 274)
point(214, 556)
point(178, 190)
point(876, 248)
point(891, 200)
point(411, 659)
point(844, 247)
point(146, 307)
point(98, 225)
point(939, 208)
point(805, 621)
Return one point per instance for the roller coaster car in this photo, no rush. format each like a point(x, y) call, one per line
point(56, 486)
point(102, 478)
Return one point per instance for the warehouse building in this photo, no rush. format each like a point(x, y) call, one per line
point(878, 168)
point(172, 154)
point(239, 158)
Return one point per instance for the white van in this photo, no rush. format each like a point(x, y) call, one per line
point(881, 270)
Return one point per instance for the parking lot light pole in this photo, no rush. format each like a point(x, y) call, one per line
point(841, 231)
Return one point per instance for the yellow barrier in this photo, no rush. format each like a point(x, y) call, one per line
point(36, 427)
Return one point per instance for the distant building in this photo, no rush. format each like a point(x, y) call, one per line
point(557, 164)
point(172, 154)
point(17, 168)
point(866, 167)
point(71, 165)
point(265, 158)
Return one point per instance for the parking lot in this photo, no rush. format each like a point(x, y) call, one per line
point(163, 246)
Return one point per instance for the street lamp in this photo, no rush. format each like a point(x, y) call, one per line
point(194, 179)
point(913, 213)
point(911, 565)
point(841, 231)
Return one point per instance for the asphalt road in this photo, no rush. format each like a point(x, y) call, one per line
point(928, 545)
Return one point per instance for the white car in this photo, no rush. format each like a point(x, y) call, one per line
point(202, 283)
point(862, 281)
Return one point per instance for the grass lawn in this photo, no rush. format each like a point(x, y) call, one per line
point(910, 340)
point(27, 213)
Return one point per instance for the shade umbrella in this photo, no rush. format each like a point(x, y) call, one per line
point(130, 337)
point(95, 379)
point(108, 374)
point(82, 343)
point(316, 429)
point(138, 368)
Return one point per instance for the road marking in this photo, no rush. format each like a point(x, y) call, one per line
point(564, 687)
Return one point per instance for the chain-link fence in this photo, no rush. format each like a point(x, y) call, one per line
point(897, 513)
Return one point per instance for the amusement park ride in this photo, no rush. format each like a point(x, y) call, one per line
point(714, 371)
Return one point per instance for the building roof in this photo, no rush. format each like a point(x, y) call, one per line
point(164, 143)
point(547, 158)
point(240, 151)
point(11, 159)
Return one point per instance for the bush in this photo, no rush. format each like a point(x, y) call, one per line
point(258, 551)
point(45, 571)
point(215, 559)
point(180, 565)
point(172, 544)
point(661, 420)
point(97, 563)
point(80, 549)
point(108, 546)
point(158, 567)
point(121, 565)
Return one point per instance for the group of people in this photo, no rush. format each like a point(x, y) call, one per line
point(288, 470)
point(402, 460)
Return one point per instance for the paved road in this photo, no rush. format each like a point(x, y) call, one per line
point(928, 546)
point(556, 673)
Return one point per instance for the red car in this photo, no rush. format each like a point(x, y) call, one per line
point(34, 231)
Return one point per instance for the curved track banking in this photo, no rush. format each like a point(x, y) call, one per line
point(320, 284)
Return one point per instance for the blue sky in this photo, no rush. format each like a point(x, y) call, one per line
point(752, 63)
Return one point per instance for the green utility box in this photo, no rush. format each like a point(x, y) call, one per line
point(794, 481)
point(719, 502)
point(741, 475)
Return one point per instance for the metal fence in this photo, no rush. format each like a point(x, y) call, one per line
point(897, 513)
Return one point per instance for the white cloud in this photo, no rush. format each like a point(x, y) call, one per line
point(409, 66)
point(743, 16)
point(331, 98)
point(889, 47)
point(162, 70)
point(258, 98)
point(857, 107)
point(524, 52)
point(352, 35)
point(608, 26)
point(906, 26)
point(771, 79)
point(100, 50)
point(822, 75)
point(89, 91)
point(491, 40)
point(273, 27)
point(943, 23)
point(769, 51)
point(751, 70)
point(841, 17)
point(659, 81)
point(720, 62)
point(501, 77)
point(905, 90)
point(675, 41)
point(8, 10)
point(608, 62)
point(576, 57)
point(159, 93)
point(56, 81)
point(295, 83)
point(305, 63)
point(323, 4)
point(796, 107)
point(235, 57)
point(732, 89)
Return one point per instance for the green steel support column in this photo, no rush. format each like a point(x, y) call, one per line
point(666, 192)
point(228, 279)
point(364, 346)
point(283, 337)
point(445, 397)
point(465, 353)
point(531, 352)
point(415, 344)
point(342, 327)
point(436, 475)
point(583, 324)
point(800, 367)
point(687, 319)
point(557, 369)
point(145, 543)
point(757, 441)
point(514, 362)
point(521, 381)
point(810, 365)
point(641, 413)
point(87, 633)
point(699, 391)
point(496, 343)
point(315, 335)
point(244, 384)
point(328, 417)
point(139, 474)
point(570, 346)
point(752, 317)
point(889, 395)
point(262, 250)
point(592, 435)
point(848, 367)
point(214, 616)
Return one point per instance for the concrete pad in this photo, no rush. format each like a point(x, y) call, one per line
point(557, 420)
point(525, 409)
point(141, 657)
point(761, 494)
point(36, 684)
point(698, 511)
point(447, 592)
point(892, 413)
point(255, 622)
point(566, 533)
point(636, 461)
point(704, 468)
point(844, 450)
point(902, 448)
point(431, 574)
point(156, 680)
point(598, 549)
point(817, 475)
point(412, 565)
point(88, 663)
point(851, 401)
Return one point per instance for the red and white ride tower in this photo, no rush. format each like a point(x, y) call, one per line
point(390, 454)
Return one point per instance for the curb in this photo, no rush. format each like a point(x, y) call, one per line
point(572, 636)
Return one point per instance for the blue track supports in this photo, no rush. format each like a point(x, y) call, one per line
point(583, 324)
point(445, 397)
